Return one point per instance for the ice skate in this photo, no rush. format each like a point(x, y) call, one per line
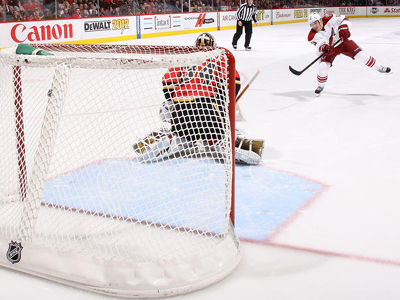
point(318, 91)
point(385, 70)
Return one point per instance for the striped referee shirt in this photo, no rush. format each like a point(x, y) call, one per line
point(246, 12)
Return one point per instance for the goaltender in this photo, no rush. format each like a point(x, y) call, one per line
point(203, 107)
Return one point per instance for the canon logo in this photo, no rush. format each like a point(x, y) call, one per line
point(20, 33)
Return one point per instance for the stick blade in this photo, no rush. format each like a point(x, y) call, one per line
point(295, 72)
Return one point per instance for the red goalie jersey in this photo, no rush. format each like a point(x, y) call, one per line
point(186, 83)
point(197, 93)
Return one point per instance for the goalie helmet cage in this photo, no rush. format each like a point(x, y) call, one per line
point(77, 206)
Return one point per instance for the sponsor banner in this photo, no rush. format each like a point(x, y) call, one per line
point(151, 24)
point(383, 11)
point(325, 11)
point(99, 28)
point(66, 31)
point(328, 11)
point(162, 22)
point(159, 24)
point(228, 18)
point(280, 16)
point(300, 14)
point(360, 12)
point(351, 11)
point(200, 20)
point(40, 32)
point(264, 16)
point(319, 10)
point(108, 29)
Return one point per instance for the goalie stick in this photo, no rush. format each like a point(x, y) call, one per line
point(247, 86)
point(295, 72)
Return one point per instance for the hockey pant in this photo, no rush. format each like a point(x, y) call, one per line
point(348, 48)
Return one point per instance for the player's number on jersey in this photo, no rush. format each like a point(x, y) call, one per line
point(204, 73)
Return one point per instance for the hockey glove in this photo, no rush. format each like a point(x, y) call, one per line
point(344, 32)
point(326, 48)
point(166, 110)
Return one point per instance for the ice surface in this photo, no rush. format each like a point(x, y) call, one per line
point(343, 241)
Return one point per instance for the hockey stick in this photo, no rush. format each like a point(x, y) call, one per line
point(295, 72)
point(247, 86)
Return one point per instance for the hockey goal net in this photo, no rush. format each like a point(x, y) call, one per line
point(77, 203)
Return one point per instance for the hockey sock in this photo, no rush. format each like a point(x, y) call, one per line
point(322, 75)
point(367, 60)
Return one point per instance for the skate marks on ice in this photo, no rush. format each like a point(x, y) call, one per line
point(300, 96)
point(356, 98)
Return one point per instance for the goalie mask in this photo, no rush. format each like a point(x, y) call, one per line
point(314, 17)
point(205, 39)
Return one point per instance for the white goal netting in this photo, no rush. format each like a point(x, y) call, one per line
point(116, 167)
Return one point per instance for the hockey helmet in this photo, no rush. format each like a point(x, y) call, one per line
point(205, 39)
point(314, 17)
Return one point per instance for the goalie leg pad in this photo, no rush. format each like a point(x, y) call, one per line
point(256, 146)
point(247, 157)
point(248, 151)
point(158, 145)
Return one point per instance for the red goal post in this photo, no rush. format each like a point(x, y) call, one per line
point(73, 191)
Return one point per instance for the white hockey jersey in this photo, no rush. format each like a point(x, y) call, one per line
point(329, 33)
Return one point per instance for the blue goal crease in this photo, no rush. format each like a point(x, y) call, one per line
point(264, 198)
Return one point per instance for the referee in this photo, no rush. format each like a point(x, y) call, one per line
point(244, 14)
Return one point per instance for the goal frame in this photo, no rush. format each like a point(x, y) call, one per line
point(21, 133)
point(23, 183)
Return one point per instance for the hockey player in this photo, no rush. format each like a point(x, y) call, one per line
point(203, 106)
point(324, 33)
